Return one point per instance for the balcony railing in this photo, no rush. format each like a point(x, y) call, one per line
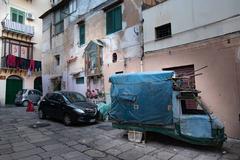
point(20, 63)
point(9, 25)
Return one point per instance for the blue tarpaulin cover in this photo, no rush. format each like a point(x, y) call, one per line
point(142, 98)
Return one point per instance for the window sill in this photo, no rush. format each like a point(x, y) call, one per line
point(108, 34)
point(166, 37)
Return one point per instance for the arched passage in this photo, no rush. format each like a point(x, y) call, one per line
point(38, 83)
point(13, 85)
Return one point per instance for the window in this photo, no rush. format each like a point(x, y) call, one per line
point(17, 48)
point(163, 31)
point(17, 16)
point(59, 21)
point(80, 80)
point(82, 33)
point(114, 57)
point(72, 6)
point(120, 72)
point(114, 20)
point(57, 57)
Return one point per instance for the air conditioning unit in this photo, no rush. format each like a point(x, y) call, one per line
point(29, 16)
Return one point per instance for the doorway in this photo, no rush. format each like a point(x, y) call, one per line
point(14, 84)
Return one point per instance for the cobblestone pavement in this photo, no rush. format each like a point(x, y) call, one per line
point(19, 141)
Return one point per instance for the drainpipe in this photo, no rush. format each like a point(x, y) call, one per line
point(141, 36)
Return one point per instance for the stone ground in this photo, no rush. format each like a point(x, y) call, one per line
point(19, 141)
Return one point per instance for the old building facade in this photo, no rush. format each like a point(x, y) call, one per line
point(188, 36)
point(85, 42)
point(20, 38)
point(97, 38)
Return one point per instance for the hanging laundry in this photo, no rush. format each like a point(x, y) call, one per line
point(32, 65)
point(11, 61)
point(19, 63)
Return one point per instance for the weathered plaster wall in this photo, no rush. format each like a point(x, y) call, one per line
point(28, 83)
point(191, 21)
point(219, 83)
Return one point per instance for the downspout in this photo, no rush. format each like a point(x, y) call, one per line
point(141, 36)
point(140, 31)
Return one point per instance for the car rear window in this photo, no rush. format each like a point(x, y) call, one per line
point(22, 91)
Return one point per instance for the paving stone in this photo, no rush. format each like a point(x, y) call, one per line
point(231, 156)
point(55, 158)
point(120, 149)
point(108, 157)
point(95, 153)
point(22, 154)
point(6, 157)
point(148, 157)
point(53, 147)
point(23, 147)
point(32, 158)
point(6, 151)
point(181, 157)
point(136, 152)
point(56, 152)
point(205, 157)
point(163, 155)
point(189, 153)
point(80, 147)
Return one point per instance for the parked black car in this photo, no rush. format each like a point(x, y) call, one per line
point(67, 106)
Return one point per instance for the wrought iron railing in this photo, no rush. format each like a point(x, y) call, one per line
point(21, 63)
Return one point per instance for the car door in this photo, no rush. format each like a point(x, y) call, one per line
point(45, 104)
point(59, 106)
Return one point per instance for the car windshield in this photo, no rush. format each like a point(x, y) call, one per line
point(22, 91)
point(74, 97)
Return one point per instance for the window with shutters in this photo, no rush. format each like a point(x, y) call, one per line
point(17, 16)
point(114, 20)
point(82, 33)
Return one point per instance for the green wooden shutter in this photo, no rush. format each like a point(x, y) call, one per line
point(118, 18)
point(17, 16)
point(109, 22)
point(82, 33)
point(114, 20)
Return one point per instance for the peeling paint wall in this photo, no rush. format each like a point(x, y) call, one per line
point(126, 43)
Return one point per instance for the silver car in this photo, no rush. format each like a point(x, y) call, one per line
point(25, 95)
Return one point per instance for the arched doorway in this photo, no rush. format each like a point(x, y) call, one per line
point(38, 83)
point(14, 84)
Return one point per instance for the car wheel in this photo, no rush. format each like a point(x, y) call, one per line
point(25, 103)
point(67, 120)
point(41, 114)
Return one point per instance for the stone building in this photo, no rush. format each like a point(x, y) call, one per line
point(189, 36)
point(86, 41)
point(20, 38)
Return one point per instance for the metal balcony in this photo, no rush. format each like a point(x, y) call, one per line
point(19, 28)
point(20, 64)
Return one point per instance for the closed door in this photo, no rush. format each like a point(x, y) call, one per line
point(14, 84)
